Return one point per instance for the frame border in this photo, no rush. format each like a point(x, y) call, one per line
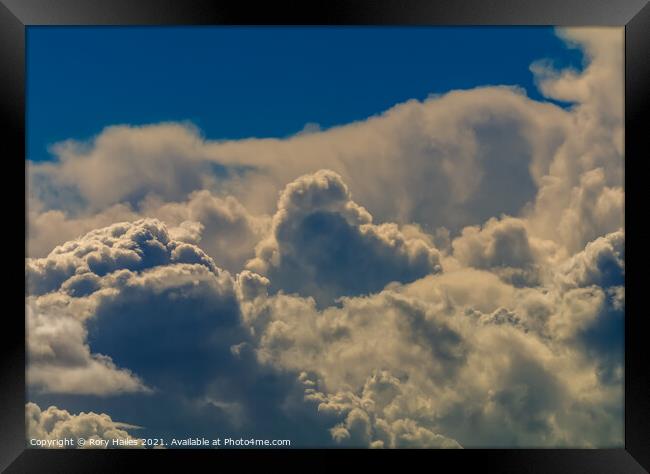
point(16, 15)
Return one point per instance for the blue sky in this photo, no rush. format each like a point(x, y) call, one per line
point(236, 82)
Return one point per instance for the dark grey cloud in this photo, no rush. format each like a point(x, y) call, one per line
point(600, 270)
point(140, 314)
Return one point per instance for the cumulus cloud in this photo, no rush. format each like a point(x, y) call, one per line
point(444, 361)
point(129, 310)
point(59, 358)
point(332, 316)
point(133, 246)
point(452, 149)
point(363, 423)
point(592, 88)
point(126, 163)
point(224, 228)
point(49, 228)
point(72, 286)
point(505, 248)
point(597, 276)
point(408, 366)
point(386, 370)
point(581, 195)
point(601, 263)
point(55, 424)
point(323, 244)
point(464, 157)
point(594, 210)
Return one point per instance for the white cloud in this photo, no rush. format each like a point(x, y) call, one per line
point(228, 232)
point(581, 196)
point(55, 424)
point(411, 365)
point(365, 423)
point(60, 360)
point(452, 150)
point(126, 163)
point(134, 246)
point(459, 358)
point(223, 227)
point(49, 228)
point(452, 160)
point(505, 248)
point(594, 210)
point(601, 263)
point(135, 265)
point(324, 244)
point(518, 342)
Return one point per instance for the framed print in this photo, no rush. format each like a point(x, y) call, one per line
point(298, 234)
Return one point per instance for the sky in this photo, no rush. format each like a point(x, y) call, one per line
point(242, 82)
point(341, 237)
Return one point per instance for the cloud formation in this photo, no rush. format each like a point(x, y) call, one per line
point(128, 310)
point(504, 247)
point(323, 244)
point(130, 265)
point(59, 358)
point(452, 149)
point(459, 355)
point(221, 225)
point(581, 195)
point(470, 295)
point(54, 424)
point(133, 246)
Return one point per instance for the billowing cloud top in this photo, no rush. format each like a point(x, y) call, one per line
point(76, 266)
point(118, 275)
point(54, 425)
point(448, 273)
point(324, 245)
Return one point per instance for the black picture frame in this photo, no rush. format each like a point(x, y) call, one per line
point(15, 15)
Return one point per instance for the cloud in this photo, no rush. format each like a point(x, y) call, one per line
point(441, 362)
point(505, 248)
point(594, 210)
point(581, 195)
point(127, 310)
point(450, 161)
point(123, 164)
point(72, 287)
point(60, 360)
point(364, 424)
point(594, 317)
point(594, 296)
point(133, 246)
point(173, 319)
point(601, 263)
point(324, 245)
point(447, 360)
point(455, 153)
point(54, 424)
point(343, 326)
point(592, 87)
point(49, 228)
point(228, 232)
